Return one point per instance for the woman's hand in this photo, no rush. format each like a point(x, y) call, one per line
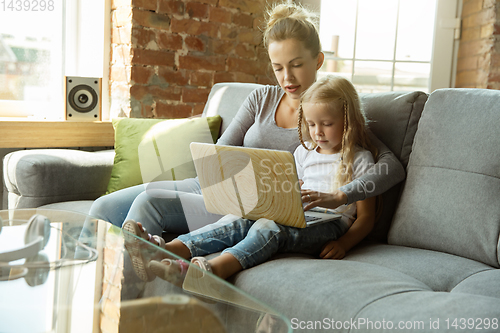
point(332, 250)
point(327, 200)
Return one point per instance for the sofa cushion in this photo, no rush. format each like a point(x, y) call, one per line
point(450, 202)
point(157, 149)
point(225, 100)
point(393, 118)
point(39, 176)
point(430, 312)
point(439, 271)
point(305, 289)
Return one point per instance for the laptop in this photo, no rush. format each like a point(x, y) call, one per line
point(253, 183)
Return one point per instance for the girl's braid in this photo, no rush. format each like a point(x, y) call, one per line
point(299, 127)
point(345, 130)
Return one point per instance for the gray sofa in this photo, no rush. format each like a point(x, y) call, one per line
point(431, 263)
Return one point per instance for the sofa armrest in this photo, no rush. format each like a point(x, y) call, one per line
point(42, 176)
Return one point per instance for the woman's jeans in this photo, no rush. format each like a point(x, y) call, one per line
point(170, 206)
point(254, 242)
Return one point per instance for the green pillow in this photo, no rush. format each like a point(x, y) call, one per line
point(157, 149)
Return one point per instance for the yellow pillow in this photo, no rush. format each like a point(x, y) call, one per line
point(157, 149)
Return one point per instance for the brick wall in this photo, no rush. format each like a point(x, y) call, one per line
point(478, 64)
point(167, 54)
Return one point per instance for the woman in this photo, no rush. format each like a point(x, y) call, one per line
point(267, 119)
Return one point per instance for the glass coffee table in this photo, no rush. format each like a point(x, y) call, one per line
point(82, 280)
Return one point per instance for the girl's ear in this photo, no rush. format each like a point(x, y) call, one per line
point(321, 59)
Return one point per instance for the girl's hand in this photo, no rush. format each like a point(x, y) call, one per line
point(327, 200)
point(332, 250)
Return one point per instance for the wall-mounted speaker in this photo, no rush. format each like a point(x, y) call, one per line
point(83, 98)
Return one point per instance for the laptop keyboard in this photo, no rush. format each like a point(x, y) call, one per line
point(311, 218)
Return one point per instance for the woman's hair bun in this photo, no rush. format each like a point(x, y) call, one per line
point(287, 20)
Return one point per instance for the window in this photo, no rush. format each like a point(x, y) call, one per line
point(31, 61)
point(388, 45)
point(39, 45)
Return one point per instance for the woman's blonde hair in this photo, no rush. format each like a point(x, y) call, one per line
point(292, 21)
point(338, 91)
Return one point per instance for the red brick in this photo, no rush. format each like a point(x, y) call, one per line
point(214, 63)
point(169, 41)
point(169, 110)
point(467, 63)
point(121, 16)
point(245, 51)
point(259, 23)
point(245, 66)
point(151, 57)
point(472, 6)
point(119, 73)
point(491, 59)
point(249, 36)
point(143, 38)
point(147, 109)
point(197, 10)
point(474, 47)
point(171, 7)
point(243, 20)
point(223, 77)
point(198, 108)
point(467, 77)
point(195, 95)
point(201, 79)
point(220, 15)
point(150, 19)
point(209, 2)
point(242, 77)
point(194, 44)
point(487, 30)
point(194, 27)
point(179, 77)
point(483, 17)
point(145, 4)
point(469, 34)
point(142, 74)
point(227, 32)
point(247, 6)
point(121, 35)
point(170, 93)
point(218, 46)
point(266, 79)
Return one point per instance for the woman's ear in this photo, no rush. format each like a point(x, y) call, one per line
point(321, 59)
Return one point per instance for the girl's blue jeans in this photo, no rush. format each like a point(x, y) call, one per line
point(170, 206)
point(254, 242)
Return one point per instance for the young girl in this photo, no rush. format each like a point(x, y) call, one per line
point(267, 119)
point(335, 149)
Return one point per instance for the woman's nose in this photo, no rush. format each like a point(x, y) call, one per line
point(288, 74)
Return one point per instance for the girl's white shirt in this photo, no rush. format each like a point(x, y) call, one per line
point(318, 171)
